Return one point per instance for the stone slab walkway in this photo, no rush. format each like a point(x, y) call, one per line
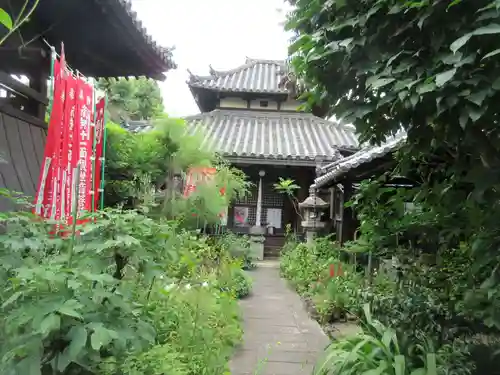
point(279, 336)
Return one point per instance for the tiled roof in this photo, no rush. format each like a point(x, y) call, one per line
point(258, 76)
point(367, 154)
point(272, 135)
point(137, 126)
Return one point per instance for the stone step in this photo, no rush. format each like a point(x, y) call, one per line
point(272, 251)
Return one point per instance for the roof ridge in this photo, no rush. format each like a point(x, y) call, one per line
point(265, 61)
point(223, 73)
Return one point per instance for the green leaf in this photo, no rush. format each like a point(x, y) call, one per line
point(378, 371)
point(463, 119)
point(402, 95)
point(378, 82)
point(492, 53)
point(431, 364)
point(419, 371)
point(444, 77)
point(78, 337)
point(478, 97)
point(399, 365)
point(51, 322)
point(30, 365)
point(368, 314)
point(475, 113)
point(345, 42)
point(100, 337)
point(426, 87)
point(452, 58)
point(454, 2)
point(13, 298)
point(451, 101)
point(5, 19)
point(69, 308)
point(496, 84)
point(492, 28)
point(460, 42)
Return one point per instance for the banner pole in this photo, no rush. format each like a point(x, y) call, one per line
point(104, 141)
point(53, 57)
point(94, 146)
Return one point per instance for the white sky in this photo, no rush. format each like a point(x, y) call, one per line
point(217, 32)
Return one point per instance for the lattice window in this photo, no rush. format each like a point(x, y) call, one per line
point(249, 200)
point(270, 199)
point(252, 215)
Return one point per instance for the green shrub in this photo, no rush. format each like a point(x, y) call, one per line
point(334, 298)
point(234, 280)
point(305, 265)
point(380, 350)
point(98, 304)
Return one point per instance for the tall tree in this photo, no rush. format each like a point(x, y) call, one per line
point(386, 64)
point(133, 98)
point(432, 68)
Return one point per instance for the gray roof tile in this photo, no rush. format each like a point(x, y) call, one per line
point(272, 135)
point(339, 168)
point(137, 126)
point(260, 76)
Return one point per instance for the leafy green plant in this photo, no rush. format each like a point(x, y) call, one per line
point(333, 298)
point(98, 305)
point(288, 187)
point(380, 350)
point(304, 265)
point(7, 21)
point(132, 98)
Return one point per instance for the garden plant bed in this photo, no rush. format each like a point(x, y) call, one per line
point(334, 330)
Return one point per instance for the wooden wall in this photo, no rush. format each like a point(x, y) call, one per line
point(21, 152)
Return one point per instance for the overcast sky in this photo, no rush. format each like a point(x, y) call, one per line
point(217, 32)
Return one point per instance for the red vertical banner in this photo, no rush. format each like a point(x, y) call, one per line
point(84, 146)
point(70, 143)
point(67, 136)
point(47, 182)
point(99, 146)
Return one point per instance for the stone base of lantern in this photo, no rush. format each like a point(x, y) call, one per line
point(312, 227)
point(257, 240)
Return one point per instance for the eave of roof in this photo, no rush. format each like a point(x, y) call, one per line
point(292, 138)
point(103, 38)
point(340, 167)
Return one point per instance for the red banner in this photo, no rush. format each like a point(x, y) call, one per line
point(84, 146)
point(67, 135)
point(70, 143)
point(99, 146)
point(47, 182)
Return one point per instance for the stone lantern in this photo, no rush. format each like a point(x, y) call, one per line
point(311, 209)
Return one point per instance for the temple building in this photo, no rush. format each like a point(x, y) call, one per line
point(251, 119)
point(101, 39)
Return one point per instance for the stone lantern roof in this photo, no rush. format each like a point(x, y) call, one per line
point(313, 201)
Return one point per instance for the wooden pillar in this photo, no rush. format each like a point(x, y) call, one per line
point(348, 219)
point(258, 214)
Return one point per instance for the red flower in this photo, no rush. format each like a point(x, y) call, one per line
point(332, 270)
point(222, 191)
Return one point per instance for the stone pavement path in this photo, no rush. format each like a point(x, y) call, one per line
point(279, 336)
